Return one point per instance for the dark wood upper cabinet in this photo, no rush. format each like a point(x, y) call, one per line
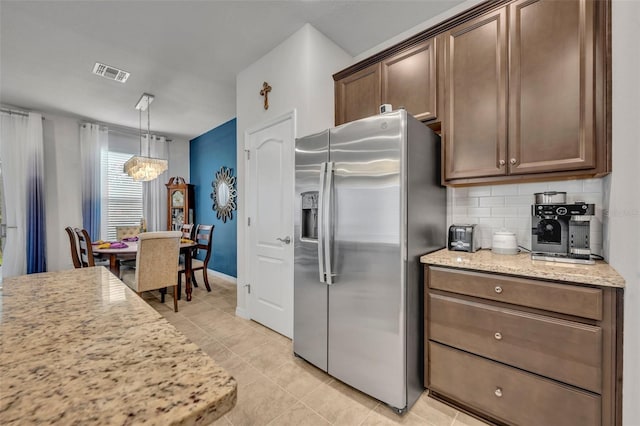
point(406, 79)
point(551, 84)
point(556, 90)
point(409, 80)
point(520, 90)
point(474, 128)
point(358, 95)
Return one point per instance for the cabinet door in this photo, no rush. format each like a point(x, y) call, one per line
point(551, 82)
point(358, 95)
point(475, 97)
point(409, 80)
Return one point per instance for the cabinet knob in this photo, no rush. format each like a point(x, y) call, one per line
point(498, 289)
point(502, 162)
point(512, 161)
point(498, 392)
point(498, 335)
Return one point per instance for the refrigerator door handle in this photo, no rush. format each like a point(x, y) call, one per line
point(321, 233)
point(328, 223)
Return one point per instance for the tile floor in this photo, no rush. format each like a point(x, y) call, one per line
point(275, 387)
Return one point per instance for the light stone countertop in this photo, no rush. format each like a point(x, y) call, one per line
point(79, 347)
point(600, 274)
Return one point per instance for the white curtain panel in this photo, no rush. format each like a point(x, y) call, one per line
point(94, 141)
point(154, 192)
point(21, 149)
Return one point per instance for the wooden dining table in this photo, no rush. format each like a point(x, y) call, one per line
point(131, 249)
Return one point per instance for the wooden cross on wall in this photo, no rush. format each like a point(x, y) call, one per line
point(265, 92)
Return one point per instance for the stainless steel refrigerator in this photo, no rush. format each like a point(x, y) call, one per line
point(368, 204)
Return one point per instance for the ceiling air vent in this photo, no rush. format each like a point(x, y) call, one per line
point(110, 72)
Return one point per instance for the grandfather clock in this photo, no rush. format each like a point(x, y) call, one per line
point(180, 203)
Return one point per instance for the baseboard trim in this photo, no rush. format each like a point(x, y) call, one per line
point(242, 313)
point(223, 276)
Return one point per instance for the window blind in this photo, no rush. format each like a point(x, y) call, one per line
point(124, 195)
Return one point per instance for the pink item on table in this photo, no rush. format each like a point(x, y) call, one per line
point(118, 245)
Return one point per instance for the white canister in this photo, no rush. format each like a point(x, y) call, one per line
point(504, 242)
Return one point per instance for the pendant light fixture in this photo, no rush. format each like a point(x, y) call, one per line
point(139, 167)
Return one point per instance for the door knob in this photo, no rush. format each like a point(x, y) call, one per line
point(286, 240)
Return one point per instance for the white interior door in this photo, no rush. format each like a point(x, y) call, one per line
point(270, 225)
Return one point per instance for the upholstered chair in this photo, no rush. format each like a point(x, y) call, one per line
point(156, 263)
point(123, 232)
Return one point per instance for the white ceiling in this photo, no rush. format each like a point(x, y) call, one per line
point(187, 53)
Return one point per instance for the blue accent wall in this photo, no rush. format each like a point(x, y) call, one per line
point(207, 153)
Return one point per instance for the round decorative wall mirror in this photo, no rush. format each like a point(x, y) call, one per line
point(224, 193)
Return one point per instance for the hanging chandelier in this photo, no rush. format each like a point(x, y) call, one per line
point(139, 167)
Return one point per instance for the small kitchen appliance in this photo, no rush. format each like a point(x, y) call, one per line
point(561, 232)
point(463, 238)
point(550, 197)
point(504, 242)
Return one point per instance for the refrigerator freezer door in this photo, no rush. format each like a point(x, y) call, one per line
point(309, 292)
point(367, 299)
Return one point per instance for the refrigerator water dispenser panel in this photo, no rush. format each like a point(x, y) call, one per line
point(309, 215)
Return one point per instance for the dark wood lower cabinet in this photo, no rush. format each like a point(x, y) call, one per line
point(510, 395)
point(567, 350)
point(494, 349)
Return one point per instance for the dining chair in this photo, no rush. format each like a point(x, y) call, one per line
point(128, 231)
point(187, 234)
point(74, 247)
point(122, 232)
point(187, 231)
point(156, 263)
point(204, 241)
point(84, 248)
point(128, 263)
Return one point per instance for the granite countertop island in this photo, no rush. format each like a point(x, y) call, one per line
point(600, 274)
point(79, 347)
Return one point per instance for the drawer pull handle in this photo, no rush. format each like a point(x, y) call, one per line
point(498, 289)
point(498, 392)
point(498, 336)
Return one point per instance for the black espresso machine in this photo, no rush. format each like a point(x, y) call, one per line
point(561, 232)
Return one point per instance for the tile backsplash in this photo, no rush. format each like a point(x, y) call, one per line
point(496, 207)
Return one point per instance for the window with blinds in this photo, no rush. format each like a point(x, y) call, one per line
point(124, 195)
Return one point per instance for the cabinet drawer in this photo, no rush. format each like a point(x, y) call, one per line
point(563, 298)
point(563, 350)
point(509, 394)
